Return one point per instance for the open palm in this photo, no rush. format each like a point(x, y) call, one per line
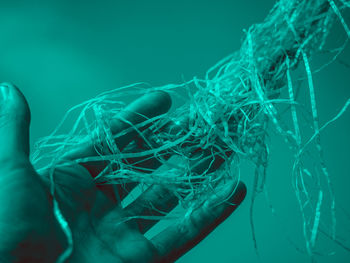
point(32, 234)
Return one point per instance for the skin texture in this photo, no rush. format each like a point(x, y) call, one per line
point(29, 231)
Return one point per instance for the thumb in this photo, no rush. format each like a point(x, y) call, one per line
point(14, 123)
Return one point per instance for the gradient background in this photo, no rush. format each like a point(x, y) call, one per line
point(63, 52)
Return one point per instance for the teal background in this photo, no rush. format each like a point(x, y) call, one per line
point(61, 53)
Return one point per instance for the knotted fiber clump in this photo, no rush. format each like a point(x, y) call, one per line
point(224, 119)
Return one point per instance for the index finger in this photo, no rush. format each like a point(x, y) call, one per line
point(148, 106)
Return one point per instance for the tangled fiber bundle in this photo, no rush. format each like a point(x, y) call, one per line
point(225, 119)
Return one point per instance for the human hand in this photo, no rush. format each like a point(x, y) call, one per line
point(31, 231)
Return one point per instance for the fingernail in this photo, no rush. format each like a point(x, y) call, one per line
point(5, 91)
point(13, 102)
point(224, 192)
